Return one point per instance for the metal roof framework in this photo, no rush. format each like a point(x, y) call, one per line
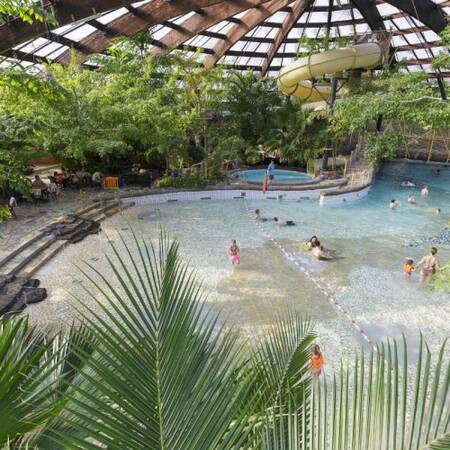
point(261, 35)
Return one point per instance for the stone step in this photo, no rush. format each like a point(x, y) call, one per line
point(32, 238)
point(33, 266)
point(23, 258)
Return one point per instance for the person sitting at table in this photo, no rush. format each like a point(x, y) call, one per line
point(65, 177)
point(58, 179)
point(97, 179)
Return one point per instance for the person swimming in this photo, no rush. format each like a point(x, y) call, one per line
point(408, 183)
point(312, 242)
point(234, 253)
point(283, 223)
point(408, 268)
point(394, 204)
point(320, 253)
point(424, 192)
point(258, 217)
point(411, 199)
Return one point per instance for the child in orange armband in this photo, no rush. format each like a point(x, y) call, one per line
point(316, 360)
point(408, 268)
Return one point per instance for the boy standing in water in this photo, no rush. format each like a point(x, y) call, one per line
point(408, 268)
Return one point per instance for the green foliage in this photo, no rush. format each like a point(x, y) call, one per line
point(441, 279)
point(152, 368)
point(311, 46)
point(5, 213)
point(442, 61)
point(12, 175)
point(381, 146)
point(28, 11)
point(188, 180)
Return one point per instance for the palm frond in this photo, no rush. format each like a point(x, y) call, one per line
point(27, 362)
point(377, 407)
point(164, 373)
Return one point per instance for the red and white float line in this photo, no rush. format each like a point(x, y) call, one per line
point(316, 282)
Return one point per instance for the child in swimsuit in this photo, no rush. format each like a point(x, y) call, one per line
point(408, 268)
point(233, 252)
point(317, 360)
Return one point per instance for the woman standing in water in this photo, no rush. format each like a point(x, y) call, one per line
point(429, 265)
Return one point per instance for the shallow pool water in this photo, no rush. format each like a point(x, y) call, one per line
point(370, 243)
point(281, 176)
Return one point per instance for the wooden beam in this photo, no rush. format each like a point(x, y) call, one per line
point(298, 8)
point(16, 32)
point(203, 19)
point(249, 20)
point(428, 12)
point(142, 18)
point(369, 11)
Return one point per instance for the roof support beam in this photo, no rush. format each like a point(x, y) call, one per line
point(370, 12)
point(428, 12)
point(203, 19)
point(141, 19)
point(298, 9)
point(17, 32)
point(249, 20)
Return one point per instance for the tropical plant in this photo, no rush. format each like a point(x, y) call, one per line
point(12, 178)
point(151, 367)
point(28, 11)
point(376, 406)
point(441, 280)
point(442, 61)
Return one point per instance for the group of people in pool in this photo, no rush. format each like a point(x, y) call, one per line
point(277, 220)
point(394, 204)
point(428, 266)
point(313, 244)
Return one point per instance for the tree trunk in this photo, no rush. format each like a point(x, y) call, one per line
point(430, 151)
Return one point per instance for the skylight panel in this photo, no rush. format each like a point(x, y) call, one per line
point(45, 51)
point(33, 45)
point(81, 32)
point(109, 17)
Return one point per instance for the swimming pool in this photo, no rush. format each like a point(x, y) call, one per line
point(369, 240)
point(281, 176)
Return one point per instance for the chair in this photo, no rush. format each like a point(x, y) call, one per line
point(111, 183)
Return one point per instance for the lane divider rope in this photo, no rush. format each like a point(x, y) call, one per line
point(323, 289)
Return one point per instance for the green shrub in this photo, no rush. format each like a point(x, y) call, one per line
point(381, 146)
point(5, 214)
point(188, 180)
point(441, 280)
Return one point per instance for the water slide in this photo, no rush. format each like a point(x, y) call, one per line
point(294, 79)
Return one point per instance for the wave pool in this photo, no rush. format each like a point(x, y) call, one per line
point(369, 240)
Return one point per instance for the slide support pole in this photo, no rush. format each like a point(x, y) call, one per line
point(329, 143)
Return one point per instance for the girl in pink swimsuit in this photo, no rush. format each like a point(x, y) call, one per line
point(233, 252)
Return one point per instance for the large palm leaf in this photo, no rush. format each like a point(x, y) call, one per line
point(376, 407)
point(164, 375)
point(28, 359)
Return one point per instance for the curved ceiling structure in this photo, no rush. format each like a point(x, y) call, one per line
point(262, 35)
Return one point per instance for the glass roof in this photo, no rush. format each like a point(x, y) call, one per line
point(262, 39)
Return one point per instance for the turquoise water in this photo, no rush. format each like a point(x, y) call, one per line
point(281, 176)
point(370, 243)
